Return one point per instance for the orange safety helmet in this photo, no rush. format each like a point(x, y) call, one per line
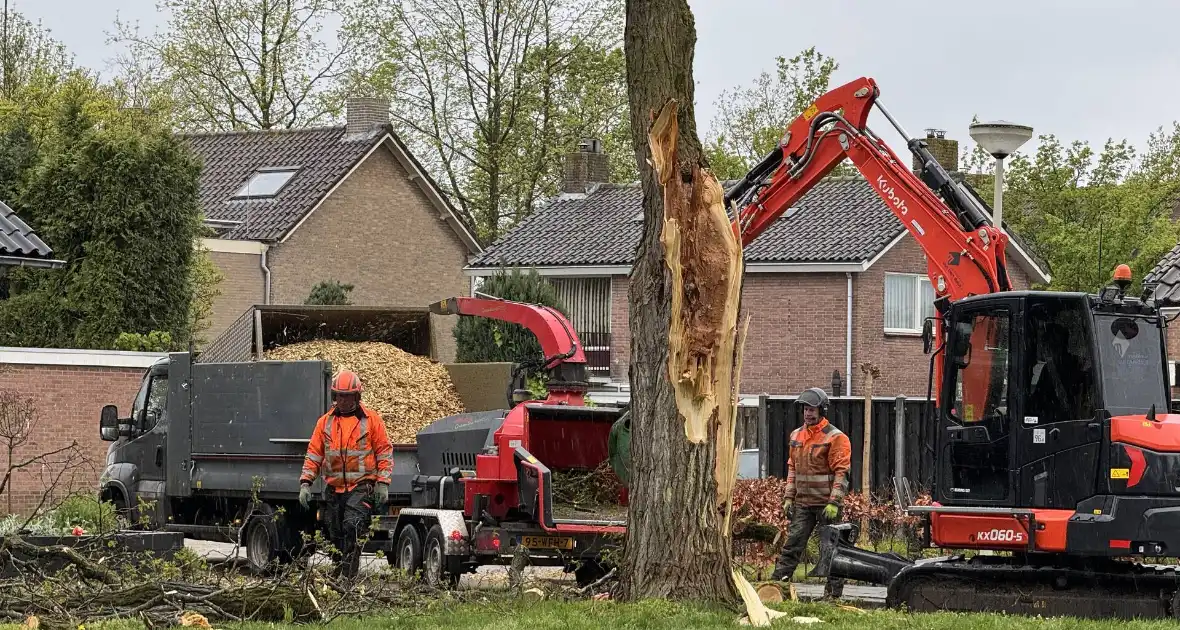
point(347, 382)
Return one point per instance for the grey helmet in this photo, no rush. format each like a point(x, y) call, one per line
point(814, 397)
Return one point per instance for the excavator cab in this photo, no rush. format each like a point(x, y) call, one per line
point(1032, 382)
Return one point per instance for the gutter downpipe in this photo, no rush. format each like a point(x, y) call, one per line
point(266, 275)
point(848, 343)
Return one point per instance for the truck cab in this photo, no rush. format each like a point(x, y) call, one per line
point(134, 476)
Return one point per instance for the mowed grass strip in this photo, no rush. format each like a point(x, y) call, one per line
point(663, 615)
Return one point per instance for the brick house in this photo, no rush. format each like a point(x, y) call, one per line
point(350, 203)
point(834, 282)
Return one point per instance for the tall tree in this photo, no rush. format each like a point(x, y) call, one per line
point(1085, 211)
point(750, 120)
point(27, 50)
point(115, 194)
point(492, 93)
point(685, 343)
point(241, 64)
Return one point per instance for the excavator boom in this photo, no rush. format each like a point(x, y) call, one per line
point(966, 252)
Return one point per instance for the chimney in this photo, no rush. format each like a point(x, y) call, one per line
point(945, 150)
point(363, 113)
point(588, 165)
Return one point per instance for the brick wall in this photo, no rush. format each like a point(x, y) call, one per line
point(68, 400)
point(378, 232)
point(620, 330)
point(798, 329)
point(796, 336)
point(242, 286)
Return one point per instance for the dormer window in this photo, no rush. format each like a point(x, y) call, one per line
point(266, 182)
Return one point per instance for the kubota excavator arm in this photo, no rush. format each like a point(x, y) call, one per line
point(966, 253)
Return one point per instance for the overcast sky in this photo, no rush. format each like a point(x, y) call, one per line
point(1080, 69)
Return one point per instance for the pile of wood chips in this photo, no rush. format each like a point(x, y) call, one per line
point(409, 391)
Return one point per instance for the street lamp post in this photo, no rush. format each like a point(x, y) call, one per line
point(1001, 139)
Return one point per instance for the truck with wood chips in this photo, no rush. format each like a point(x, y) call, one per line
point(213, 449)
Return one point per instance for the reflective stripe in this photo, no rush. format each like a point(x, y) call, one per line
point(315, 458)
point(360, 441)
point(814, 478)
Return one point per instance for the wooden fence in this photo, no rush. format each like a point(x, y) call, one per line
point(903, 436)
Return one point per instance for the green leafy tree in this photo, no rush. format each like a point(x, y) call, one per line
point(750, 120)
point(240, 64)
point(491, 96)
point(115, 194)
point(329, 292)
point(479, 339)
point(1085, 211)
point(27, 51)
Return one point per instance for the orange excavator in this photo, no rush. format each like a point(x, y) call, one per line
point(1057, 462)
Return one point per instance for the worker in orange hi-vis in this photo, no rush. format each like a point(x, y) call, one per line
point(817, 480)
point(352, 452)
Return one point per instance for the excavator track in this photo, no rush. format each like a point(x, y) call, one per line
point(1099, 590)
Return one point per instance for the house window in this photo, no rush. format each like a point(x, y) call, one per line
point(587, 302)
point(266, 182)
point(909, 300)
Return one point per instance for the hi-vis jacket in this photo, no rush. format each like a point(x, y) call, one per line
point(817, 470)
point(347, 450)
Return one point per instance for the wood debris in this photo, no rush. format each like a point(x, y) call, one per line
point(409, 391)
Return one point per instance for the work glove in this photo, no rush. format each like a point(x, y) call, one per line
point(381, 493)
point(788, 507)
point(305, 495)
point(830, 512)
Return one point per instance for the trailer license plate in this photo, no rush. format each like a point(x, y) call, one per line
point(547, 542)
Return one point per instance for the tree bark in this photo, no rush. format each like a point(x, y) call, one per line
point(685, 352)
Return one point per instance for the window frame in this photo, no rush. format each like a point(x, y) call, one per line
point(243, 193)
point(917, 281)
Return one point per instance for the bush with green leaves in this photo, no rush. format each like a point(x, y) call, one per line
point(155, 341)
point(329, 292)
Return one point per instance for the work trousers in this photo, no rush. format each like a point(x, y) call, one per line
point(804, 521)
point(348, 516)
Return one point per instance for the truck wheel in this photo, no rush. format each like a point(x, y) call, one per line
point(260, 547)
point(434, 561)
point(407, 553)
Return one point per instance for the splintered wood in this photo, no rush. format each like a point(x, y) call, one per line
point(409, 391)
point(704, 257)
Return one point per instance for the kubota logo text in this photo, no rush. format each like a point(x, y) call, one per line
point(1000, 535)
point(896, 200)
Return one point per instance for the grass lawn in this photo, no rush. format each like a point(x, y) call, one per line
point(658, 615)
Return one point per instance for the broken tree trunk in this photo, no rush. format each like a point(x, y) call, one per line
point(684, 300)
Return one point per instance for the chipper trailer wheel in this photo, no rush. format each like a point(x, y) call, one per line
point(434, 561)
point(407, 553)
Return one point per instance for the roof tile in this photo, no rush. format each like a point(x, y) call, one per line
point(17, 239)
point(841, 219)
point(322, 155)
